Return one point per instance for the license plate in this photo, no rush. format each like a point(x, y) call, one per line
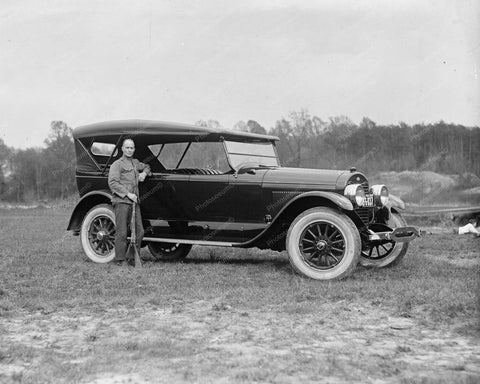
point(368, 202)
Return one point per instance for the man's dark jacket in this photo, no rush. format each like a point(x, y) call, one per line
point(123, 178)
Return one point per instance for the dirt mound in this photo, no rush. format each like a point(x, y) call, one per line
point(426, 187)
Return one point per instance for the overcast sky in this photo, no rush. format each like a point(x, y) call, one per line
point(88, 61)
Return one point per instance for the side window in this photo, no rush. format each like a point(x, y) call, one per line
point(198, 156)
point(168, 154)
point(103, 149)
point(209, 155)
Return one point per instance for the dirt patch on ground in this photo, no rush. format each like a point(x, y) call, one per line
point(207, 341)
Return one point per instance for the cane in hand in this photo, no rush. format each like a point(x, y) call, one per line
point(132, 251)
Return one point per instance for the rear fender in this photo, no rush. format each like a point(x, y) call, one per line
point(86, 203)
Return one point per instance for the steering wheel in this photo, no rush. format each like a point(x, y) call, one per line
point(243, 167)
point(246, 165)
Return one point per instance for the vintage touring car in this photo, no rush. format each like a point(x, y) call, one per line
point(227, 188)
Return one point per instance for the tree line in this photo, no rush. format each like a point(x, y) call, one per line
point(36, 174)
point(305, 141)
point(338, 143)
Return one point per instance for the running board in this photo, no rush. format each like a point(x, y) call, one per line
point(194, 242)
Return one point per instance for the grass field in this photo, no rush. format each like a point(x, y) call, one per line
point(231, 315)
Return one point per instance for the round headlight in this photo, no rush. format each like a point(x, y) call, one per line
point(355, 193)
point(380, 193)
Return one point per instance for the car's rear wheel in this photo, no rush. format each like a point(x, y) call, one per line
point(387, 254)
point(97, 234)
point(168, 251)
point(323, 244)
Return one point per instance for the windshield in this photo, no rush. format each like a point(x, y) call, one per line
point(262, 154)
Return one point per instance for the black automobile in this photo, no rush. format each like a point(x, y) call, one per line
point(227, 188)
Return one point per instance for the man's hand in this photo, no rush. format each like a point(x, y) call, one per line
point(132, 197)
point(142, 176)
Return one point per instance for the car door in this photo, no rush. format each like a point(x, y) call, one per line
point(245, 202)
point(164, 197)
point(209, 208)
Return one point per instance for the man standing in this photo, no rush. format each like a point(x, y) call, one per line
point(123, 178)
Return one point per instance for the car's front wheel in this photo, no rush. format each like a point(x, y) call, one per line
point(97, 234)
point(323, 244)
point(168, 251)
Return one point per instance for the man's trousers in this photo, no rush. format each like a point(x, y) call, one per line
point(123, 217)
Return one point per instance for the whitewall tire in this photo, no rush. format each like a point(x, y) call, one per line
point(323, 244)
point(97, 233)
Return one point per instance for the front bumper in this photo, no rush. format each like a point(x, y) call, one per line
point(400, 234)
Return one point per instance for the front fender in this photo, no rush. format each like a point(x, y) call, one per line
point(323, 199)
point(337, 199)
point(395, 202)
point(88, 201)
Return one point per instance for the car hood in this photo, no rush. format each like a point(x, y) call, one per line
point(308, 177)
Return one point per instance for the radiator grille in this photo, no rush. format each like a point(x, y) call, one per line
point(363, 213)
